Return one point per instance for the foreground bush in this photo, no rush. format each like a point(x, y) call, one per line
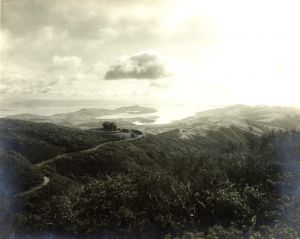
point(237, 191)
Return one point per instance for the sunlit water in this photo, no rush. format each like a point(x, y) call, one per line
point(163, 115)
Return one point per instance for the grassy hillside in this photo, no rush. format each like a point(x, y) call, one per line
point(261, 118)
point(41, 141)
point(122, 156)
point(165, 186)
point(17, 174)
point(230, 183)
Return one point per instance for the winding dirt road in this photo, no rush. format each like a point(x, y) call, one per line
point(88, 150)
point(46, 179)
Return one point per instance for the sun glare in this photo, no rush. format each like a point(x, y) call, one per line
point(254, 58)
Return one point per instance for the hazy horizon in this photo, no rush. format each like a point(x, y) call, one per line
point(164, 114)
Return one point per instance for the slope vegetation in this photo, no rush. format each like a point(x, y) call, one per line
point(41, 141)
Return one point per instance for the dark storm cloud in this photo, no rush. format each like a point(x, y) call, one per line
point(143, 65)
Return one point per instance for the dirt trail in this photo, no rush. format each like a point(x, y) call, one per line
point(87, 150)
point(46, 179)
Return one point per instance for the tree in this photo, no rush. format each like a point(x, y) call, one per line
point(109, 126)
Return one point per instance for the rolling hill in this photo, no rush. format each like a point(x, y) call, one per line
point(230, 119)
point(221, 173)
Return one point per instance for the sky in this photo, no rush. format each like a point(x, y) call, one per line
point(152, 51)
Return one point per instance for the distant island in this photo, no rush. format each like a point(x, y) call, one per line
point(94, 117)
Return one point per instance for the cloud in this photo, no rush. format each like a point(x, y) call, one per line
point(148, 65)
point(160, 85)
point(46, 90)
point(5, 40)
point(83, 21)
point(16, 84)
point(68, 67)
point(66, 61)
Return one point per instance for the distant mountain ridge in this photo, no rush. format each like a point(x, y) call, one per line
point(86, 116)
point(228, 119)
point(259, 118)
